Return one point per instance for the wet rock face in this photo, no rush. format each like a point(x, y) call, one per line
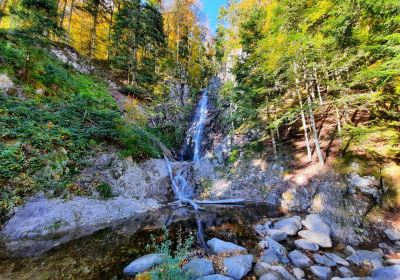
point(148, 179)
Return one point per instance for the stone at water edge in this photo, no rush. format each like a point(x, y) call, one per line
point(198, 268)
point(276, 234)
point(290, 225)
point(305, 244)
point(279, 249)
point(393, 235)
point(271, 276)
point(385, 273)
point(238, 266)
point(219, 246)
point(143, 263)
point(298, 273)
point(322, 239)
point(337, 259)
point(323, 260)
point(364, 257)
point(215, 277)
point(299, 259)
point(270, 256)
point(315, 223)
point(345, 272)
point(263, 268)
point(321, 272)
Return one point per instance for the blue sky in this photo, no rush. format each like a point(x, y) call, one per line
point(211, 9)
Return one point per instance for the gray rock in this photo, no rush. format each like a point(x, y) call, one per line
point(364, 257)
point(324, 260)
point(215, 277)
point(393, 235)
point(320, 238)
point(298, 273)
point(299, 259)
point(345, 272)
point(5, 82)
point(386, 273)
point(271, 276)
point(270, 256)
point(365, 184)
point(263, 268)
point(143, 263)
point(305, 244)
point(349, 250)
point(279, 249)
point(197, 268)
point(42, 223)
point(260, 230)
point(337, 259)
point(290, 225)
point(392, 261)
point(238, 266)
point(219, 246)
point(276, 234)
point(321, 272)
point(315, 223)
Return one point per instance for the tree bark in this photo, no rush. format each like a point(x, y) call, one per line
point(315, 130)
point(71, 11)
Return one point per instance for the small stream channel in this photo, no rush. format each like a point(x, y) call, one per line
point(104, 254)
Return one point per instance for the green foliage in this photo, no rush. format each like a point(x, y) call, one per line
point(45, 137)
point(39, 16)
point(173, 259)
point(104, 190)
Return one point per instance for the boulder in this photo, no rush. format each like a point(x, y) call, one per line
point(321, 272)
point(307, 245)
point(337, 259)
point(365, 257)
point(299, 259)
point(345, 272)
point(271, 276)
point(298, 273)
point(323, 260)
point(279, 249)
point(197, 268)
point(315, 223)
point(270, 256)
point(263, 268)
point(290, 225)
point(322, 239)
point(276, 234)
point(215, 277)
point(143, 263)
point(238, 266)
point(393, 235)
point(385, 273)
point(5, 82)
point(219, 246)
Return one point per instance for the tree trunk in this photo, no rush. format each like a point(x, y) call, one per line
point(321, 102)
point(63, 14)
point(271, 133)
point(110, 30)
point(303, 117)
point(3, 6)
point(71, 11)
point(314, 128)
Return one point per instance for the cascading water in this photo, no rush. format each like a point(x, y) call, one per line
point(200, 121)
point(192, 148)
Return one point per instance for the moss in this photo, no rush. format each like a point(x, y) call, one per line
point(105, 190)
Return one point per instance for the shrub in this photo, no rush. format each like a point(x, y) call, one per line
point(171, 268)
point(104, 190)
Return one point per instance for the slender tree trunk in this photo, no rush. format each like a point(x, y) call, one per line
point(303, 117)
point(321, 102)
point(110, 30)
point(71, 11)
point(271, 132)
point(63, 14)
point(314, 128)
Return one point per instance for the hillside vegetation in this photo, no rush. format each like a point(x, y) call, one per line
point(320, 76)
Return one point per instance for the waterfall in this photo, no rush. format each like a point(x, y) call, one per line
point(200, 121)
point(192, 148)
